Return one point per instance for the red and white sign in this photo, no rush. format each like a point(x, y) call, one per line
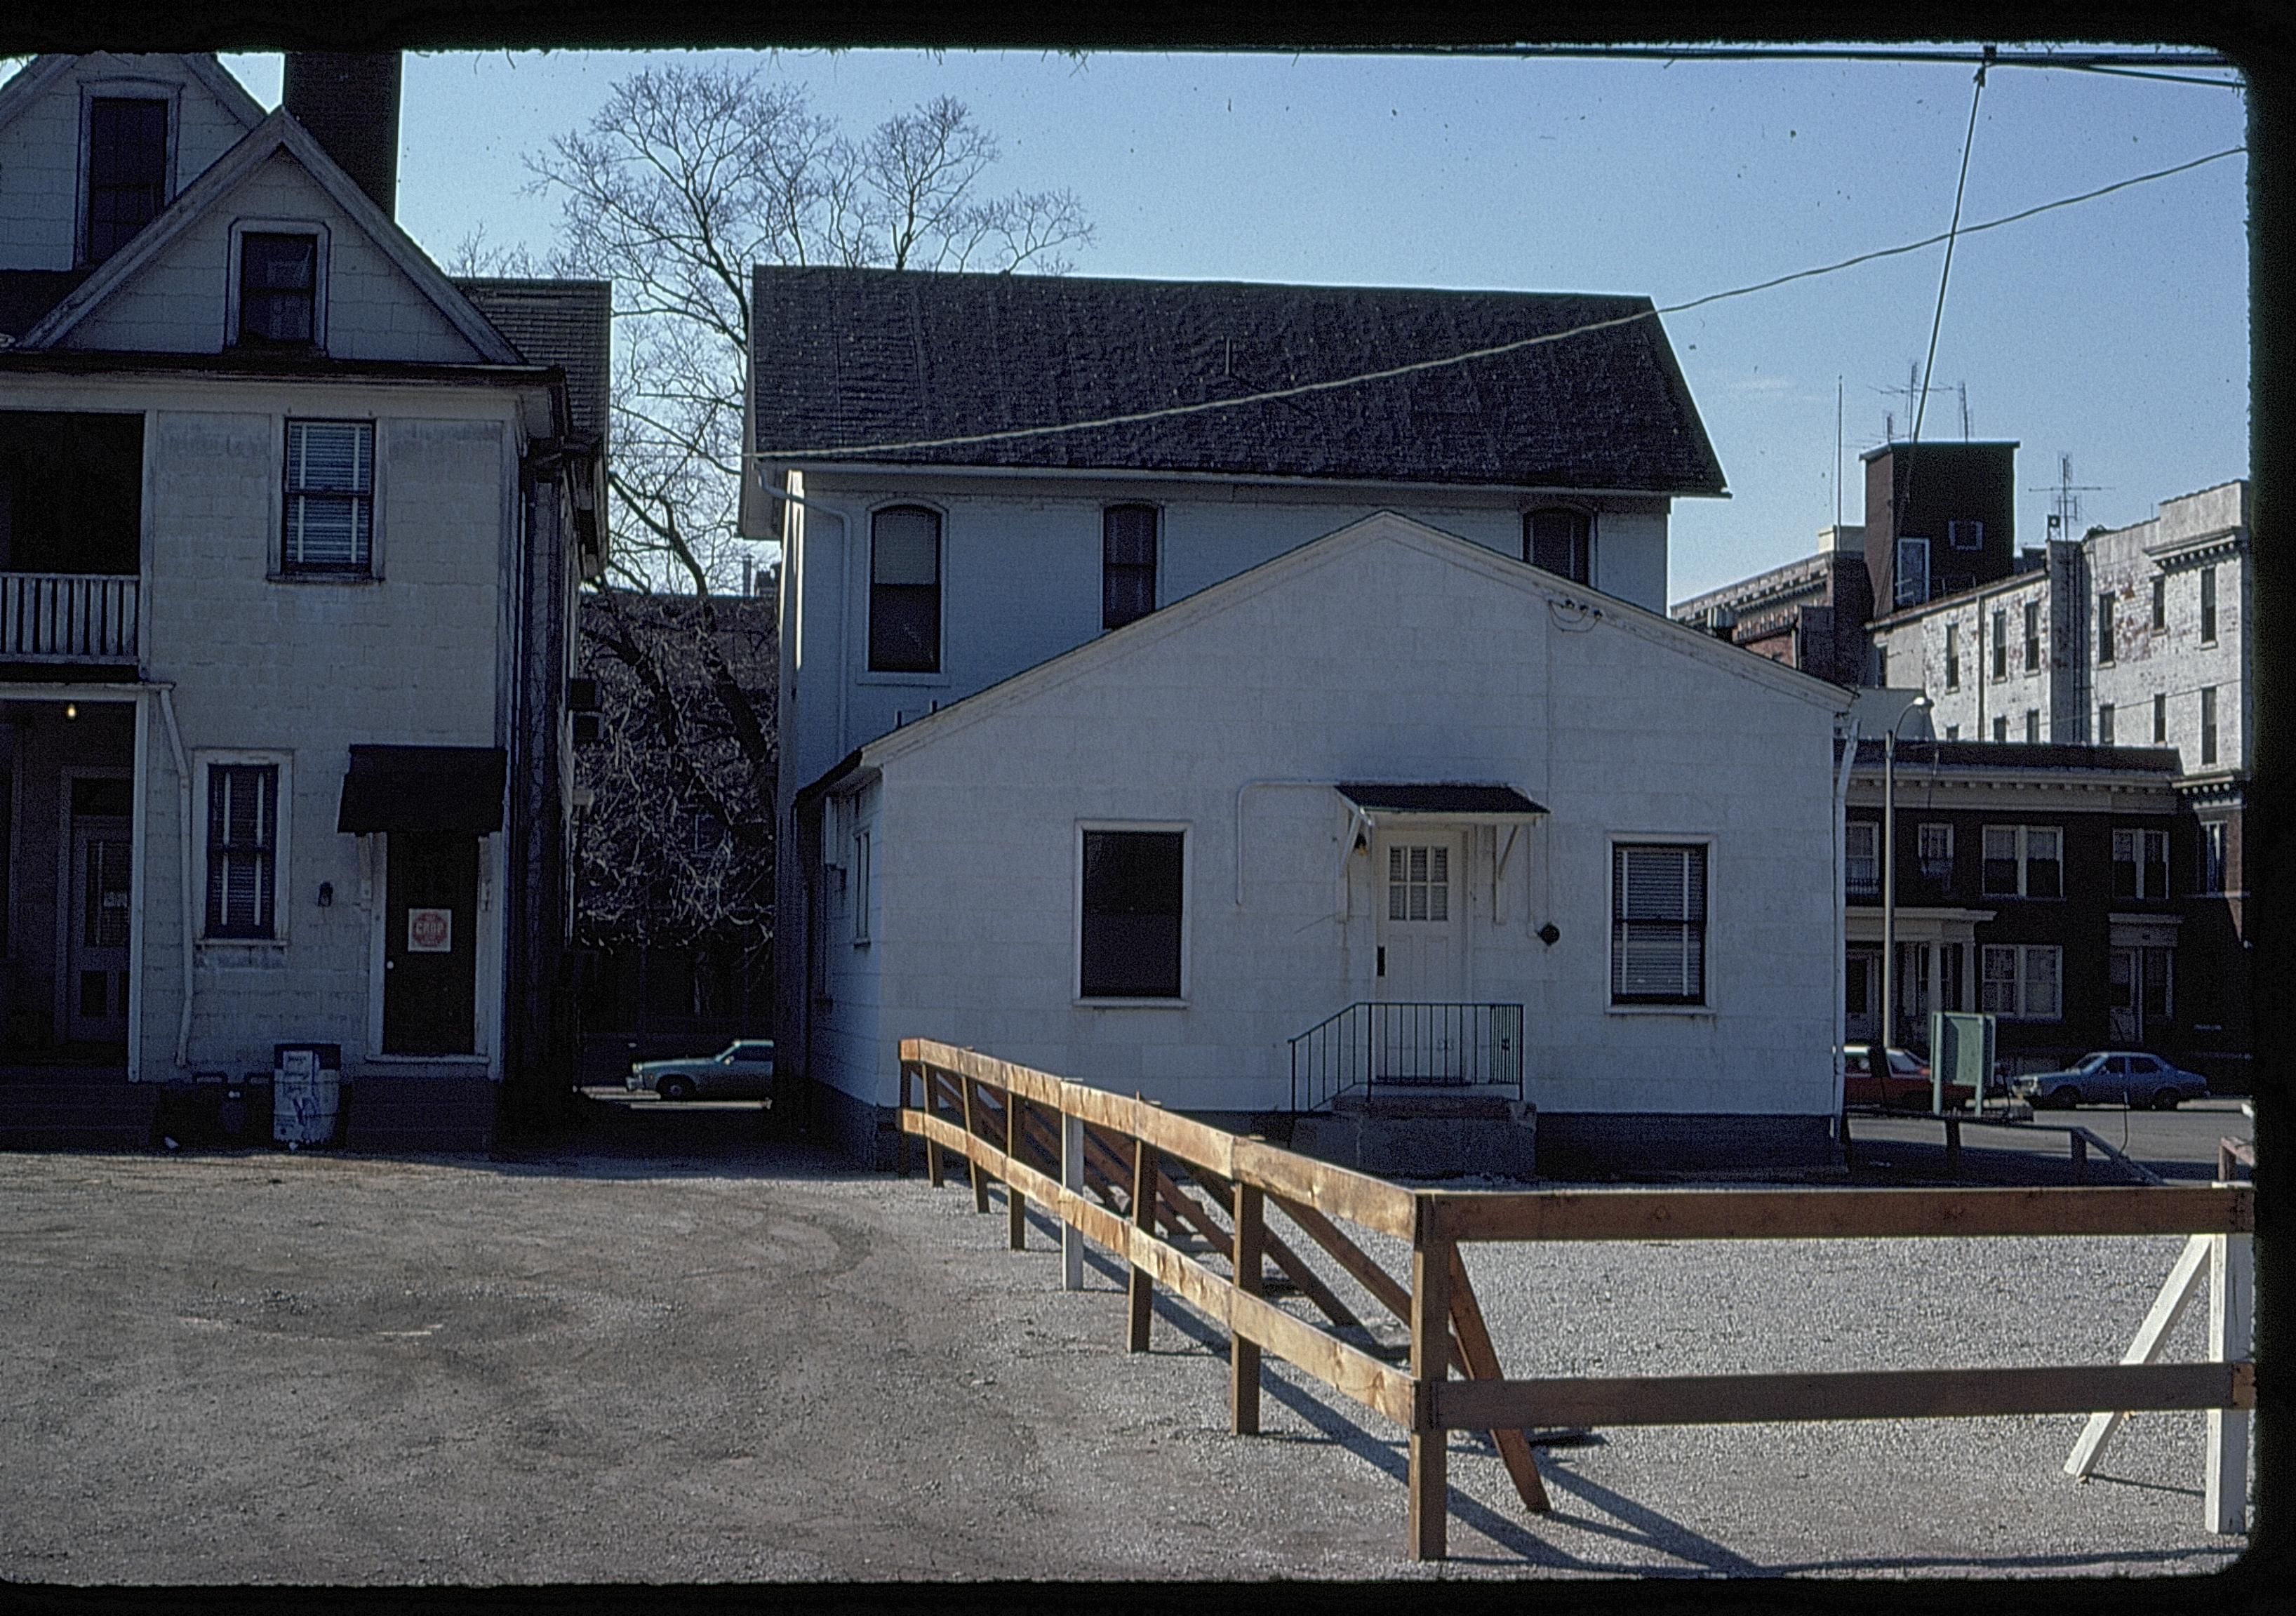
point(430, 930)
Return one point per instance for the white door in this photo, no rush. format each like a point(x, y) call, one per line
point(1422, 937)
point(1421, 928)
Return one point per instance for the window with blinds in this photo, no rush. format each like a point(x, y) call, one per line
point(243, 848)
point(1658, 925)
point(330, 502)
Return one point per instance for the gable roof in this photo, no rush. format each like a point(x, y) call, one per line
point(36, 75)
point(568, 324)
point(277, 133)
point(1382, 527)
point(859, 356)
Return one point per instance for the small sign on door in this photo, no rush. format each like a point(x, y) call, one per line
point(430, 930)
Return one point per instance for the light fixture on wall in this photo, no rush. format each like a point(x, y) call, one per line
point(326, 894)
point(72, 710)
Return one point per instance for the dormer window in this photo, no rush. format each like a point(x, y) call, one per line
point(278, 288)
point(126, 170)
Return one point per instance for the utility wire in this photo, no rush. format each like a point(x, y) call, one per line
point(1937, 319)
point(1301, 389)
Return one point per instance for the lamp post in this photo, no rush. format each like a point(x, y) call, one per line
point(1920, 703)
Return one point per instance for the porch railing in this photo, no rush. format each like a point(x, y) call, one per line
point(1372, 1045)
point(68, 617)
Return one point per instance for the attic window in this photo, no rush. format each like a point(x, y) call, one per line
point(126, 170)
point(1560, 541)
point(278, 288)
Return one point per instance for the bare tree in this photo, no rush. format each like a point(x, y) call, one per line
point(686, 178)
point(683, 181)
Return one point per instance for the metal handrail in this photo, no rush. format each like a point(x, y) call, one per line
point(1378, 1042)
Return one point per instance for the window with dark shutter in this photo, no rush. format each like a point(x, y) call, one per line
point(1132, 914)
point(1658, 925)
point(278, 288)
point(126, 170)
point(1128, 564)
point(242, 836)
point(905, 590)
point(330, 504)
point(1560, 541)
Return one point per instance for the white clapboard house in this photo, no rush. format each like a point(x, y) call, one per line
point(290, 525)
point(1259, 759)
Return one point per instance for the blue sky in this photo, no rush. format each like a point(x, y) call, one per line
point(2116, 331)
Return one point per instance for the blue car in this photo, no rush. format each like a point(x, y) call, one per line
point(2113, 1077)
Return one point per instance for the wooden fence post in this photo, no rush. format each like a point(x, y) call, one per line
point(901, 1146)
point(2081, 1156)
point(935, 1174)
point(1072, 1178)
point(1143, 1217)
point(964, 1087)
point(1431, 1354)
point(2231, 1281)
point(1250, 1213)
point(1016, 1204)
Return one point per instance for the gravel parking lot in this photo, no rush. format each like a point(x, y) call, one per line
point(743, 1362)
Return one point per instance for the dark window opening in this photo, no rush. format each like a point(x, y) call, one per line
point(126, 170)
point(1132, 913)
point(1561, 542)
point(242, 837)
point(905, 591)
point(278, 288)
point(2105, 629)
point(1128, 564)
point(71, 492)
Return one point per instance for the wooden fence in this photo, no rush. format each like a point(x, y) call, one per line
point(1163, 1193)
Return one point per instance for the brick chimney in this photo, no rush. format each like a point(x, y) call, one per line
point(348, 99)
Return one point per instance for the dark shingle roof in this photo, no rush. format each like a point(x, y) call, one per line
point(569, 324)
point(846, 357)
point(28, 294)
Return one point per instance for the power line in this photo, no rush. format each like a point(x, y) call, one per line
point(1301, 389)
point(2100, 61)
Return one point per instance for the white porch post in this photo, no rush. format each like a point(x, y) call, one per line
point(2231, 1280)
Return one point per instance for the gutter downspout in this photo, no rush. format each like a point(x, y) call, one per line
point(183, 830)
point(1842, 917)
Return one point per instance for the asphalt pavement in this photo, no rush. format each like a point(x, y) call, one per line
point(721, 1359)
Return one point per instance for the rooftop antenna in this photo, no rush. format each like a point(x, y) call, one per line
point(1837, 453)
point(2066, 517)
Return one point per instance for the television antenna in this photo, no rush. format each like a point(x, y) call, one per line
point(2066, 517)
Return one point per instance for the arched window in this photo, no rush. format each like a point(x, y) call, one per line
point(1560, 541)
point(1128, 564)
point(905, 590)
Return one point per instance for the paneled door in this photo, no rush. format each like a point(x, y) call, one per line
point(95, 983)
point(1422, 939)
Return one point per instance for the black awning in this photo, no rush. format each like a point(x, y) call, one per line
point(447, 788)
point(1452, 799)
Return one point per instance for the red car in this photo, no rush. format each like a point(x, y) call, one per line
point(1906, 1087)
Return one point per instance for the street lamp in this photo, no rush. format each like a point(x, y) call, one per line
point(1920, 703)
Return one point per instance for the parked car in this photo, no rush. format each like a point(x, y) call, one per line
point(2113, 1077)
point(1905, 1085)
point(743, 1068)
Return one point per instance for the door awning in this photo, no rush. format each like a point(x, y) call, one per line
point(1453, 800)
point(452, 790)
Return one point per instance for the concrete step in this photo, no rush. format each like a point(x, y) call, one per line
point(1429, 1140)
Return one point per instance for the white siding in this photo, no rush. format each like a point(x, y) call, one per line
point(1388, 659)
point(309, 669)
point(178, 302)
point(40, 152)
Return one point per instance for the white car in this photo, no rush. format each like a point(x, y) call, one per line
point(743, 1068)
